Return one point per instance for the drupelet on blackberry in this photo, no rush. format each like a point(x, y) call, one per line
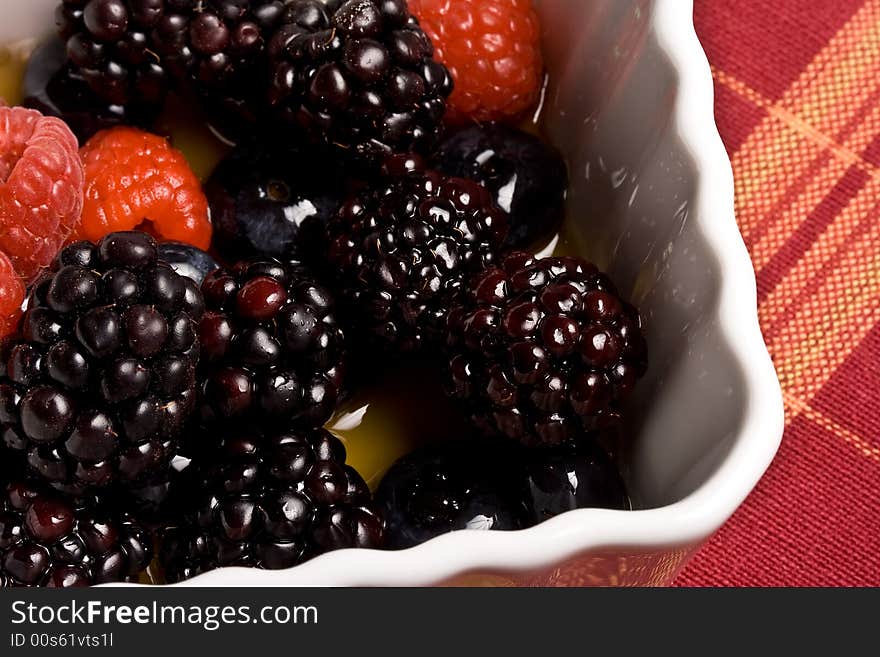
point(109, 44)
point(47, 540)
point(543, 350)
point(358, 74)
point(402, 251)
point(267, 499)
point(272, 348)
point(97, 384)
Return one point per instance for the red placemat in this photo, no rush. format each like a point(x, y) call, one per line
point(798, 106)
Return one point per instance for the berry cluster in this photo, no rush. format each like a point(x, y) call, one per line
point(46, 540)
point(359, 74)
point(403, 251)
point(273, 348)
point(543, 350)
point(362, 76)
point(173, 352)
point(96, 388)
point(269, 500)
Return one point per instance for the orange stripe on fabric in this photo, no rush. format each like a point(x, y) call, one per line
point(842, 76)
point(826, 253)
point(799, 407)
point(775, 161)
point(817, 338)
point(765, 171)
point(772, 235)
point(796, 124)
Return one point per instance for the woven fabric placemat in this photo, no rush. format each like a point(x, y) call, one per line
point(798, 105)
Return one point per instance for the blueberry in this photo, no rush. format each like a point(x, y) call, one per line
point(188, 260)
point(53, 87)
point(471, 484)
point(573, 475)
point(527, 177)
point(273, 200)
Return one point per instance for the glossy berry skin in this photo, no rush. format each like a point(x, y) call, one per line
point(188, 260)
point(573, 475)
point(359, 75)
point(215, 42)
point(493, 51)
point(272, 349)
point(273, 200)
point(470, 484)
point(100, 379)
point(108, 42)
point(543, 350)
point(215, 51)
point(41, 187)
point(133, 177)
point(267, 500)
point(46, 540)
point(527, 177)
point(11, 296)
point(56, 88)
point(403, 251)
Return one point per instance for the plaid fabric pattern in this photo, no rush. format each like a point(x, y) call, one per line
point(798, 106)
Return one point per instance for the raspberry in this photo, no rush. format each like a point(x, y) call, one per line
point(41, 187)
point(493, 50)
point(134, 177)
point(11, 296)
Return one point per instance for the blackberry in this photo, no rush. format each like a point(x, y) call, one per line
point(98, 383)
point(543, 350)
point(272, 348)
point(217, 50)
point(463, 484)
point(403, 251)
point(267, 500)
point(109, 44)
point(47, 540)
point(573, 475)
point(359, 75)
point(54, 87)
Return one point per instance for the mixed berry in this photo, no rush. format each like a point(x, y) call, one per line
point(181, 361)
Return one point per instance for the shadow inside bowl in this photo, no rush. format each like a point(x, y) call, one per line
point(631, 210)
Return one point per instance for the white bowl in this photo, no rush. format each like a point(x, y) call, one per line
point(631, 106)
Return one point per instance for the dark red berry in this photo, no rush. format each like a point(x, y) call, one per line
point(543, 350)
point(103, 372)
point(47, 540)
point(401, 253)
point(273, 349)
point(267, 499)
point(109, 46)
point(357, 75)
point(260, 298)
